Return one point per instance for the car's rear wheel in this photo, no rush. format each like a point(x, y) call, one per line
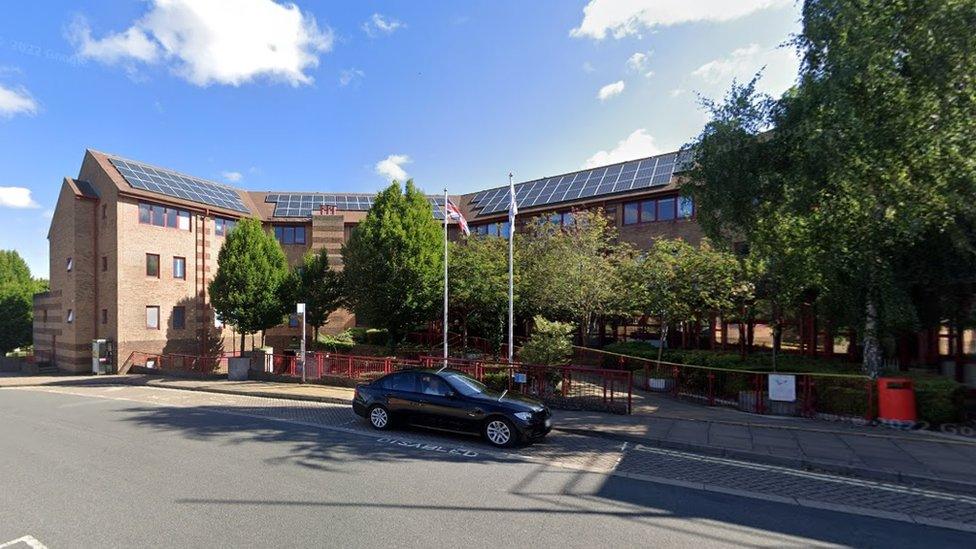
point(379, 417)
point(499, 432)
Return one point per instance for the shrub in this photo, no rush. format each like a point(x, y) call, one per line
point(496, 381)
point(549, 344)
point(340, 343)
point(938, 399)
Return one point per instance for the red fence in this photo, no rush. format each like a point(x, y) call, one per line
point(570, 387)
point(844, 395)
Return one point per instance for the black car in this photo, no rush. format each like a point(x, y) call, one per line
point(449, 400)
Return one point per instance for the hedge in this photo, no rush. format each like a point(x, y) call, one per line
point(938, 399)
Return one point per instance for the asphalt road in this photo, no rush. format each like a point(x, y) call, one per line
point(80, 471)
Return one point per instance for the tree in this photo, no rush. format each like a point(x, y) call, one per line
point(318, 286)
point(393, 262)
point(17, 289)
point(867, 172)
point(685, 284)
point(478, 281)
point(549, 344)
point(570, 272)
point(251, 270)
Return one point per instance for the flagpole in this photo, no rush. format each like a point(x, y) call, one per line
point(511, 270)
point(445, 276)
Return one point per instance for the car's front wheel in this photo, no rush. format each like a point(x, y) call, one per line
point(499, 432)
point(379, 417)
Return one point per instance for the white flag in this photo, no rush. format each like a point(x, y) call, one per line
point(512, 205)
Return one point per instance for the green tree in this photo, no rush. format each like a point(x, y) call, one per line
point(251, 270)
point(17, 289)
point(478, 281)
point(318, 286)
point(866, 180)
point(394, 261)
point(549, 344)
point(571, 272)
point(687, 284)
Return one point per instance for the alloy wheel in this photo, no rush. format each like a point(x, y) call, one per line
point(498, 432)
point(379, 418)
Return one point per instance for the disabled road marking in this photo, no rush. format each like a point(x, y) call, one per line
point(29, 541)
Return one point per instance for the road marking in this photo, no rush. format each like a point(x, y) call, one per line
point(426, 446)
point(811, 475)
point(31, 541)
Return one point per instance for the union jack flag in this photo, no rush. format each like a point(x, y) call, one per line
point(454, 213)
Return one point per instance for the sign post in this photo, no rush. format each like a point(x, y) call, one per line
point(301, 352)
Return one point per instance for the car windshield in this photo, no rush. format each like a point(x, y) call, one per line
point(466, 385)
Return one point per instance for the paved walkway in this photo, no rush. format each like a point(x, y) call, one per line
point(914, 457)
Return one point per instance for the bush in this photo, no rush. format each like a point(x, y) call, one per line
point(369, 336)
point(549, 344)
point(496, 381)
point(340, 343)
point(938, 399)
point(760, 362)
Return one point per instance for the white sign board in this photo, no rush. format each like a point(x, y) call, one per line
point(301, 309)
point(782, 388)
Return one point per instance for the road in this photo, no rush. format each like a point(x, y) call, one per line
point(136, 466)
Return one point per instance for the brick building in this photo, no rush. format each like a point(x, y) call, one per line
point(134, 246)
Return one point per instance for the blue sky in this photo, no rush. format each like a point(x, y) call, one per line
point(343, 96)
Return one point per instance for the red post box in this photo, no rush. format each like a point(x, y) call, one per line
point(896, 399)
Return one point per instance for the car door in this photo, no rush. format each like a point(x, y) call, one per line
point(439, 406)
point(400, 393)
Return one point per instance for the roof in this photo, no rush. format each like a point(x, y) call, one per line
point(133, 177)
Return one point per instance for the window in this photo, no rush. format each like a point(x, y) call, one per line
point(179, 318)
point(223, 226)
point(179, 268)
point(104, 316)
point(162, 216)
point(152, 317)
point(71, 316)
point(631, 213)
point(404, 381)
point(662, 209)
point(104, 211)
point(665, 209)
point(69, 264)
point(433, 385)
point(44, 314)
point(152, 265)
point(104, 263)
point(287, 234)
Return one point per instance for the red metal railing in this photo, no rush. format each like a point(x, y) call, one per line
point(845, 395)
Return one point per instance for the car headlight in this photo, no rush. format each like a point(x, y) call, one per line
point(524, 416)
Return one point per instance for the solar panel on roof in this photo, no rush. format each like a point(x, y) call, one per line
point(169, 183)
point(636, 174)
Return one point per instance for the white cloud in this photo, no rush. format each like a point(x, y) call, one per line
point(391, 167)
point(349, 76)
point(621, 18)
point(214, 42)
point(640, 63)
point(233, 177)
point(381, 24)
point(676, 92)
point(610, 90)
point(16, 101)
point(636, 145)
point(780, 66)
point(588, 67)
point(17, 197)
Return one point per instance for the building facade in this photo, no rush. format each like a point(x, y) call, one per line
point(133, 246)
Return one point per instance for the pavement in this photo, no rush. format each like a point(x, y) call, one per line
point(916, 458)
point(103, 464)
